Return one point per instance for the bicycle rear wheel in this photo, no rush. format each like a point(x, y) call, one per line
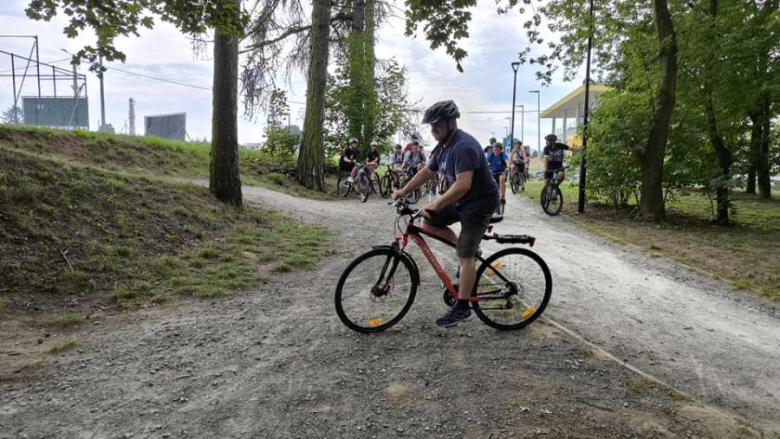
point(386, 185)
point(552, 200)
point(364, 187)
point(513, 288)
point(376, 290)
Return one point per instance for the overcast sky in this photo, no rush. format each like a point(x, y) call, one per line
point(485, 85)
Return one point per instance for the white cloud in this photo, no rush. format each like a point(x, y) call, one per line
point(485, 85)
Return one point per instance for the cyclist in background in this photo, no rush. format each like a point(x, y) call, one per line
point(412, 143)
point(497, 163)
point(519, 159)
point(372, 160)
point(415, 160)
point(553, 158)
point(349, 159)
point(489, 146)
point(397, 162)
point(527, 161)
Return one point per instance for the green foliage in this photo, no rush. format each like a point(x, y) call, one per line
point(12, 115)
point(64, 345)
point(70, 318)
point(345, 104)
point(111, 20)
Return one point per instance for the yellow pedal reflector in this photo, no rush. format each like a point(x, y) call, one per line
point(527, 313)
point(375, 322)
point(496, 265)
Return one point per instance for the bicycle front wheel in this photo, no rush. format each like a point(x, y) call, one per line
point(376, 290)
point(515, 183)
point(513, 289)
point(364, 187)
point(552, 200)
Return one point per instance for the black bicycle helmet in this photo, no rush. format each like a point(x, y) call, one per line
point(442, 110)
point(551, 137)
point(492, 140)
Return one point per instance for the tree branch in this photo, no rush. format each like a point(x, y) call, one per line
point(338, 18)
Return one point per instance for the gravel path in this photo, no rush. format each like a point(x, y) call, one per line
point(276, 362)
point(719, 345)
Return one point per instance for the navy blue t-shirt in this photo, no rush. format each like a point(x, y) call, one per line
point(462, 155)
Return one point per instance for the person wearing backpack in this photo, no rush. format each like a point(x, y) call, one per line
point(497, 163)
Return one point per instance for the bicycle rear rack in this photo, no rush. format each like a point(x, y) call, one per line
point(511, 239)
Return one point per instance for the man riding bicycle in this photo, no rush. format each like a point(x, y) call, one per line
point(415, 160)
point(553, 155)
point(349, 159)
point(519, 159)
point(372, 160)
point(471, 199)
point(497, 162)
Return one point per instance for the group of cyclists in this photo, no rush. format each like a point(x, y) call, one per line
point(411, 159)
point(502, 166)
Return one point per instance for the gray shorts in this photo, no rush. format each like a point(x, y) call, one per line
point(472, 229)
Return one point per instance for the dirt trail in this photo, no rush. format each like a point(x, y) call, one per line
point(276, 362)
point(695, 332)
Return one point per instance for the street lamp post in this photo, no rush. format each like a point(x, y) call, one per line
point(581, 198)
point(538, 125)
point(506, 132)
point(515, 66)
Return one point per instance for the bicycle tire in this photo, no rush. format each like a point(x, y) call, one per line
point(552, 194)
point(386, 185)
point(525, 281)
point(414, 196)
point(393, 260)
point(364, 187)
point(342, 187)
point(515, 183)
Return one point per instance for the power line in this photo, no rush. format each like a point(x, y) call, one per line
point(160, 79)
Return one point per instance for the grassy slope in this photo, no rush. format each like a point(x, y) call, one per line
point(744, 254)
point(76, 233)
point(148, 155)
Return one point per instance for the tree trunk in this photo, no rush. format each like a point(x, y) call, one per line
point(652, 207)
point(369, 64)
point(760, 134)
point(724, 162)
point(762, 162)
point(310, 169)
point(721, 150)
point(751, 179)
point(224, 180)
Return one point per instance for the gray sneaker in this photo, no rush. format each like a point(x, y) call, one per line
point(453, 316)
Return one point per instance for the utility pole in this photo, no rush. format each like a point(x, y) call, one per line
point(515, 66)
point(538, 125)
point(102, 98)
point(581, 199)
point(131, 116)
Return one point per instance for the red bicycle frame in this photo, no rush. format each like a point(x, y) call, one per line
point(415, 232)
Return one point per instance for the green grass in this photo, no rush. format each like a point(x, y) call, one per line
point(69, 319)
point(64, 345)
point(77, 230)
point(136, 155)
point(745, 253)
